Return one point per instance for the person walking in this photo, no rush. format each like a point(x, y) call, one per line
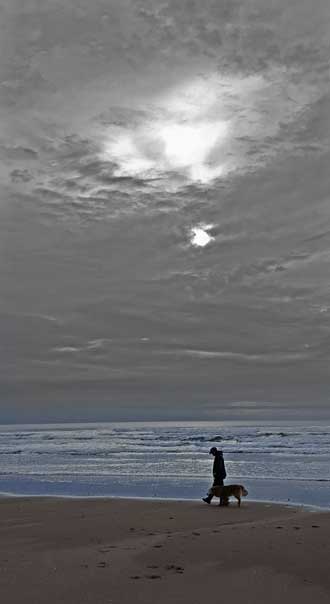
point(219, 471)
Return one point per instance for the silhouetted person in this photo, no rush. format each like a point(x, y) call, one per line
point(219, 471)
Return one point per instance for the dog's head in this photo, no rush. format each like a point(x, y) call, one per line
point(244, 492)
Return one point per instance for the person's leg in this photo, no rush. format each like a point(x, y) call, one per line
point(217, 482)
point(208, 497)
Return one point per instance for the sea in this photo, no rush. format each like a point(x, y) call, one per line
point(288, 463)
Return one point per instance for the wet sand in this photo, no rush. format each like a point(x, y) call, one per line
point(84, 551)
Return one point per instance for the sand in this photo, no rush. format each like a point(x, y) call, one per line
point(84, 551)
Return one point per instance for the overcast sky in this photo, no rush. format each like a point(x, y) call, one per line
point(165, 210)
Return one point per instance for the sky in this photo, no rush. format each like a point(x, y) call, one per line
point(164, 209)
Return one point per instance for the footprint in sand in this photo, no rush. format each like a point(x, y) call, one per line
point(315, 526)
point(279, 527)
point(177, 569)
point(136, 577)
point(153, 576)
point(297, 528)
point(157, 546)
point(152, 566)
point(195, 534)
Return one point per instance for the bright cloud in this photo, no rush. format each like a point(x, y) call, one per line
point(68, 349)
point(169, 145)
point(180, 135)
point(203, 128)
point(188, 145)
point(126, 151)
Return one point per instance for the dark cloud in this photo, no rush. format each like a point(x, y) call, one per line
point(18, 153)
point(20, 176)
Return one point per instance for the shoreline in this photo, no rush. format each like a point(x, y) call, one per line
point(268, 502)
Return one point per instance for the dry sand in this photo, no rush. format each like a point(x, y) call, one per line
point(116, 551)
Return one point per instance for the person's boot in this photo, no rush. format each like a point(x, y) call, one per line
point(207, 499)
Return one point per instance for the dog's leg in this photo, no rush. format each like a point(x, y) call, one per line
point(238, 500)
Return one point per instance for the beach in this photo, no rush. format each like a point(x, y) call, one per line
point(109, 551)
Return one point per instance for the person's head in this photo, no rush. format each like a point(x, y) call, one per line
point(214, 451)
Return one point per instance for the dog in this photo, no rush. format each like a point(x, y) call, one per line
point(230, 490)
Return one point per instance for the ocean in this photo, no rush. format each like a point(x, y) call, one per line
point(279, 463)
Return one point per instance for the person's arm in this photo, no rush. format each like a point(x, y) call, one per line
point(217, 466)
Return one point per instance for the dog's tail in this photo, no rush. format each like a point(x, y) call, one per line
point(244, 492)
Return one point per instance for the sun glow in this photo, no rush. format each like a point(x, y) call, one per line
point(169, 146)
point(182, 134)
point(190, 144)
point(200, 236)
point(204, 127)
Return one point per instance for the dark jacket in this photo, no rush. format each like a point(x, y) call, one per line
point(219, 469)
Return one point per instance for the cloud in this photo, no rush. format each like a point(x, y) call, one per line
point(96, 344)
point(210, 126)
point(20, 176)
point(18, 153)
point(50, 318)
point(133, 132)
point(161, 147)
point(66, 349)
point(90, 345)
point(272, 358)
